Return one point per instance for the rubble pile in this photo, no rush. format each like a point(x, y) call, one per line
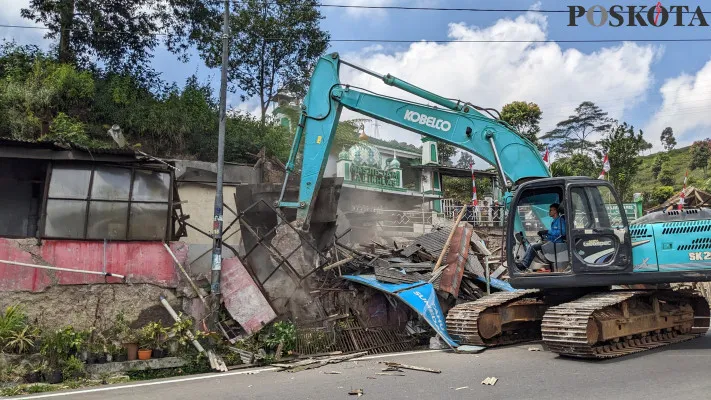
point(416, 262)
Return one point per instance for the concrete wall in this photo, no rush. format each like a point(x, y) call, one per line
point(199, 203)
point(58, 298)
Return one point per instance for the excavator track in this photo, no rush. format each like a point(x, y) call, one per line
point(498, 319)
point(618, 323)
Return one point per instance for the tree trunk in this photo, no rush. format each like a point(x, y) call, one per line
point(66, 22)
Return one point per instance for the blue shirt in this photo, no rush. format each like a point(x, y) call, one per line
point(557, 231)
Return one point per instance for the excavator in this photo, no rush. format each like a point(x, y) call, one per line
point(604, 292)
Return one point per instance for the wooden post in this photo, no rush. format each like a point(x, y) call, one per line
point(446, 245)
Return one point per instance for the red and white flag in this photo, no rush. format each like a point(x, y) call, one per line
point(475, 202)
point(547, 159)
point(682, 195)
point(605, 168)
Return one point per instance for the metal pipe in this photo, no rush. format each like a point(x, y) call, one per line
point(217, 221)
point(175, 316)
point(62, 269)
point(498, 162)
point(192, 283)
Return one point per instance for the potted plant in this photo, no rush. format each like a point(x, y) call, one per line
point(33, 372)
point(73, 368)
point(157, 334)
point(57, 347)
point(127, 336)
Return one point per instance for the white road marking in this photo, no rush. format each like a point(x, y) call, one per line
point(211, 376)
point(193, 378)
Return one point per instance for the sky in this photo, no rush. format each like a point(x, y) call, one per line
point(650, 85)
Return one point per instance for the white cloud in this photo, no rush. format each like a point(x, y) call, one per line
point(685, 105)
point(10, 15)
point(493, 74)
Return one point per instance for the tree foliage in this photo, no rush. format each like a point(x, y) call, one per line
point(274, 46)
point(660, 194)
point(445, 152)
point(700, 153)
point(667, 175)
point(465, 160)
point(43, 99)
point(525, 117)
point(623, 146)
point(572, 135)
point(667, 138)
point(659, 161)
point(119, 33)
point(577, 165)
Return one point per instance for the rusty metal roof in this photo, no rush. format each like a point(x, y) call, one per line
point(432, 243)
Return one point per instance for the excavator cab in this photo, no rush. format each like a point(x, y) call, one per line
point(593, 237)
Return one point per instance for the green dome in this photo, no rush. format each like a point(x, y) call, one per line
point(395, 163)
point(343, 155)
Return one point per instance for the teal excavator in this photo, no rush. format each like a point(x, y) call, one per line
point(602, 293)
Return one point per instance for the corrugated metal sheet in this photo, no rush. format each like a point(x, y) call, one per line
point(456, 258)
point(432, 243)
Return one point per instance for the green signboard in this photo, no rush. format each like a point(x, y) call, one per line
point(630, 209)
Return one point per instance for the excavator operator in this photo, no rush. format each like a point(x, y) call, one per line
point(556, 235)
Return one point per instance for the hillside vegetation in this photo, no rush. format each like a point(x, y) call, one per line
point(644, 181)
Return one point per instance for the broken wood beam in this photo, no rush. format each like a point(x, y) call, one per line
point(412, 367)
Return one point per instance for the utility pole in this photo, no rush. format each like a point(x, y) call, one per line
point(217, 220)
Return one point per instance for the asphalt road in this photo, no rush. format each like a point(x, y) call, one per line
point(681, 371)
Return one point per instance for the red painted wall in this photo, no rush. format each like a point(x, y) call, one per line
point(140, 262)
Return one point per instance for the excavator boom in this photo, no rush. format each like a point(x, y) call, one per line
point(456, 123)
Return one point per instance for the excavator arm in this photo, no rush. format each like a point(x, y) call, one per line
point(456, 123)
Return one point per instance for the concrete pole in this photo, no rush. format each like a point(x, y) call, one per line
point(217, 220)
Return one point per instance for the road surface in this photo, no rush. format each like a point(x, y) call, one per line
point(681, 371)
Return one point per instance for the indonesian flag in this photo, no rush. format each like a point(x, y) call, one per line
point(547, 159)
point(605, 168)
point(682, 195)
point(475, 202)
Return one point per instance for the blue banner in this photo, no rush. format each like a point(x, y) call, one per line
point(420, 296)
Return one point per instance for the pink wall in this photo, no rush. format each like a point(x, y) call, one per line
point(140, 262)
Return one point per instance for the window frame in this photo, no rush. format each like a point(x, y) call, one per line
point(88, 200)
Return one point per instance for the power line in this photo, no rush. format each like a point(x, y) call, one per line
point(469, 9)
point(364, 40)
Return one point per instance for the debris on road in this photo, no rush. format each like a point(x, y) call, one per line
point(463, 387)
point(390, 373)
point(312, 363)
point(469, 349)
point(357, 392)
point(535, 349)
point(412, 367)
point(490, 381)
point(333, 372)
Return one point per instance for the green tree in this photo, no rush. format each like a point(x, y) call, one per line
point(560, 168)
point(623, 146)
point(572, 134)
point(465, 160)
point(667, 176)
point(274, 46)
point(445, 152)
point(659, 160)
point(667, 138)
point(700, 153)
point(578, 165)
point(525, 118)
point(660, 194)
point(120, 33)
